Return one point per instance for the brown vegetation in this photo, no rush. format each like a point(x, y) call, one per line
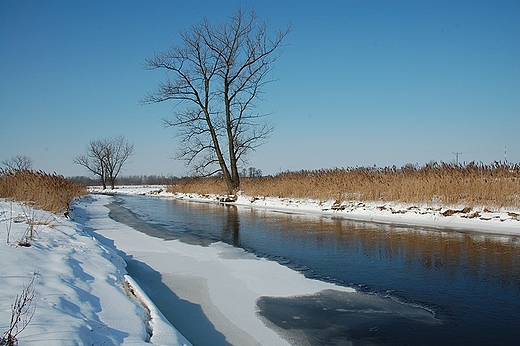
point(496, 185)
point(50, 192)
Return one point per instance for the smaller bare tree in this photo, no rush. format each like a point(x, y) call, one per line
point(117, 153)
point(94, 159)
point(105, 158)
point(18, 163)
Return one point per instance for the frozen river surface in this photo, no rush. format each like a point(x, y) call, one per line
point(469, 282)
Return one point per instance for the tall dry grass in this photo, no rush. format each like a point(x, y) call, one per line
point(50, 192)
point(495, 185)
point(199, 185)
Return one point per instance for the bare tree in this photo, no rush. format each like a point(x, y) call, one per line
point(218, 75)
point(105, 158)
point(18, 163)
point(94, 159)
point(118, 151)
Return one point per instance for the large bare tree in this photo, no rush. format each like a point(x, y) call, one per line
point(217, 75)
point(105, 158)
point(18, 163)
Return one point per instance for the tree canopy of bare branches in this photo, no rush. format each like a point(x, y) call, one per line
point(217, 75)
point(18, 163)
point(105, 158)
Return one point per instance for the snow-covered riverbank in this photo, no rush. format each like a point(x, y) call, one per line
point(477, 219)
point(81, 287)
point(81, 291)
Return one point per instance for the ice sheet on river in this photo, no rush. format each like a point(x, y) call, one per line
point(332, 317)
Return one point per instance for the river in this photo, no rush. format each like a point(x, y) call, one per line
point(470, 281)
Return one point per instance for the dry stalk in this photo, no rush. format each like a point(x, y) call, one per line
point(22, 312)
point(9, 224)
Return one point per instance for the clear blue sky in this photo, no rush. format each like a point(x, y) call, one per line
point(360, 83)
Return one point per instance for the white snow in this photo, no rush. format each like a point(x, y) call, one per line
point(79, 286)
point(82, 297)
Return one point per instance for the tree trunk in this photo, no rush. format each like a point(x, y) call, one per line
point(232, 183)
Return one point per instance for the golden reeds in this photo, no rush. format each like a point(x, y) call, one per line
point(495, 185)
point(207, 185)
point(50, 192)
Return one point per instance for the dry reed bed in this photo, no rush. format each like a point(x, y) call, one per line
point(496, 185)
point(50, 192)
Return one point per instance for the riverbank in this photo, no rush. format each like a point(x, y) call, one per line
point(461, 218)
point(75, 290)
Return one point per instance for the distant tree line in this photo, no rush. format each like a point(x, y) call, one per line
point(128, 180)
point(251, 172)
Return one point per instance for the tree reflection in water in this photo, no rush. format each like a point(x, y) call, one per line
point(231, 226)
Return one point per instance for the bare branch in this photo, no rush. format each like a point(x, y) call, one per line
point(18, 163)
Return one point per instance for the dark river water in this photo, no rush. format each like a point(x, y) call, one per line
point(469, 281)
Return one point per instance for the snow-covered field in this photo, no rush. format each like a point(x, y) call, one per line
point(82, 295)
